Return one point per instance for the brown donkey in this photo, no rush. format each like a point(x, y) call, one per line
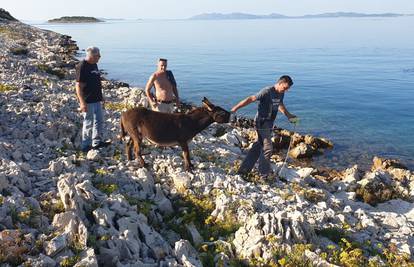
point(165, 129)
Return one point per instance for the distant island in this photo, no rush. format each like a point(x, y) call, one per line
point(75, 19)
point(220, 16)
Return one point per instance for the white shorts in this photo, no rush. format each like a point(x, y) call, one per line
point(163, 107)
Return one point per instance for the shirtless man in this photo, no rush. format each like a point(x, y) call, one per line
point(166, 93)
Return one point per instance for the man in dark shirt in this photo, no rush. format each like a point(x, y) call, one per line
point(270, 101)
point(89, 92)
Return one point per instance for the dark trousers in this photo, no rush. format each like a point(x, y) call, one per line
point(261, 150)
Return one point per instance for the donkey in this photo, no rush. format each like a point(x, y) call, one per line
point(165, 129)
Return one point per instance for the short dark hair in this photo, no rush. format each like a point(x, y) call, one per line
point(163, 59)
point(286, 79)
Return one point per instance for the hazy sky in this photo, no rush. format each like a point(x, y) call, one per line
point(159, 9)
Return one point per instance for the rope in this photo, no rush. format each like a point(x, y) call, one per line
point(287, 154)
point(290, 144)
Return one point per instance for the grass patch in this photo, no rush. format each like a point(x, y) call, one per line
point(294, 257)
point(70, 261)
point(77, 249)
point(57, 72)
point(108, 189)
point(197, 210)
point(117, 106)
point(117, 155)
point(353, 254)
point(208, 252)
point(6, 88)
point(10, 33)
point(143, 206)
point(52, 208)
point(101, 172)
point(27, 217)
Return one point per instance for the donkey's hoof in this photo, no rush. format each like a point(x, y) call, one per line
point(142, 165)
point(189, 168)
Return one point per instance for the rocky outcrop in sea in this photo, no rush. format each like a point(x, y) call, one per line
point(60, 207)
point(75, 19)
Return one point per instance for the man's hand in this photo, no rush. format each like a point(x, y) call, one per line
point(293, 119)
point(153, 103)
point(83, 107)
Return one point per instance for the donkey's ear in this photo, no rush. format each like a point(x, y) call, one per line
point(207, 106)
point(206, 101)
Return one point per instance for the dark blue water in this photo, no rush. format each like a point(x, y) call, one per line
point(354, 78)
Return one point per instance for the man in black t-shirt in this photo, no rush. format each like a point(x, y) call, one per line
point(89, 92)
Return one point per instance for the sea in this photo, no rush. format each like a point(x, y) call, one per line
point(353, 77)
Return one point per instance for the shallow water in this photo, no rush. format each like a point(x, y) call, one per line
point(354, 78)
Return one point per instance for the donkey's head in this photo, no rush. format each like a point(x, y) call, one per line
point(218, 114)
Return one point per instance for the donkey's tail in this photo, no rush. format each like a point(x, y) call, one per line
point(123, 132)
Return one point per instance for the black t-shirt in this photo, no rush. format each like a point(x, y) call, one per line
point(89, 75)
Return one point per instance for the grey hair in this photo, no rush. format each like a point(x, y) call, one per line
point(92, 50)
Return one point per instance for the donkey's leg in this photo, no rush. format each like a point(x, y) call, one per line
point(137, 140)
point(128, 148)
point(186, 154)
point(137, 152)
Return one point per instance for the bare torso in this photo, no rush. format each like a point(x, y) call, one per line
point(163, 87)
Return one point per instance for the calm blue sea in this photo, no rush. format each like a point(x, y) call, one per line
point(354, 77)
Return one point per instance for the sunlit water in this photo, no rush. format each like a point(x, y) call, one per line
point(354, 77)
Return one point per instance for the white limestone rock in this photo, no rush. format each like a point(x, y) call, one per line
point(186, 254)
point(56, 245)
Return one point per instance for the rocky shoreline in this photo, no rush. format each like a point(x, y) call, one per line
point(59, 207)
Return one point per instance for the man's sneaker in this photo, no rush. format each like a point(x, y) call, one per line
point(102, 144)
point(242, 172)
point(270, 177)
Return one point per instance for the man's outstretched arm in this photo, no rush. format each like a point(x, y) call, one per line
point(283, 109)
point(244, 103)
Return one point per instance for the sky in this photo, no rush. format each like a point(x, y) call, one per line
point(179, 9)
